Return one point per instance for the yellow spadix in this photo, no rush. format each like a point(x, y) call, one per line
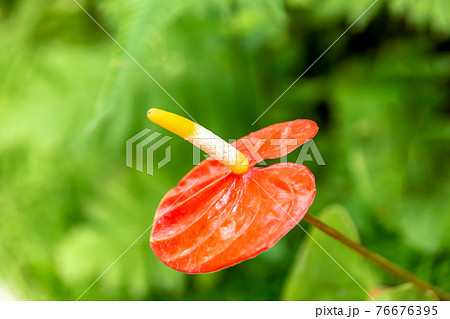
point(202, 138)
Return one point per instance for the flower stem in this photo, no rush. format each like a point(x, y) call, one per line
point(378, 260)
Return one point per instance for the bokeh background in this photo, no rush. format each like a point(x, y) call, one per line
point(70, 98)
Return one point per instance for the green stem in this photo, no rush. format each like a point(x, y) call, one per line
point(378, 260)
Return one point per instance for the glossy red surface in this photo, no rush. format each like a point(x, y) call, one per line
point(214, 219)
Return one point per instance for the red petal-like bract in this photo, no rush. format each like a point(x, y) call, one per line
point(214, 219)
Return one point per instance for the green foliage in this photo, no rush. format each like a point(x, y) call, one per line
point(70, 98)
point(405, 292)
point(315, 276)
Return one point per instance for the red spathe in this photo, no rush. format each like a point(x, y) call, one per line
point(214, 219)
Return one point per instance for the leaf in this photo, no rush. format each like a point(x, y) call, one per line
point(315, 276)
point(404, 292)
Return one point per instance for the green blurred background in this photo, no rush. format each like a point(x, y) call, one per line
point(70, 98)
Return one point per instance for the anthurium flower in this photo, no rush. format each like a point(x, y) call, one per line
point(226, 210)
